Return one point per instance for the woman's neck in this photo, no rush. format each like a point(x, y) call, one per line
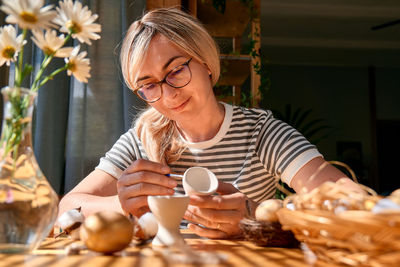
point(206, 124)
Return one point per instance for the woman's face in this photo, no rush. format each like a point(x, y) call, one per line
point(179, 104)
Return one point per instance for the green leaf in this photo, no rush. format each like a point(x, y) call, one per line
point(316, 141)
point(303, 117)
point(26, 71)
point(295, 116)
point(219, 5)
point(309, 125)
point(314, 131)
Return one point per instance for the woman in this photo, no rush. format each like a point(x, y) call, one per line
point(172, 63)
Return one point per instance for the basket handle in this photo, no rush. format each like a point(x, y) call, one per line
point(347, 167)
point(282, 189)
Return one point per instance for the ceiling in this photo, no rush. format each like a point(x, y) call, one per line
point(330, 32)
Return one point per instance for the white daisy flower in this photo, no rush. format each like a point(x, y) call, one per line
point(72, 17)
point(50, 43)
point(10, 44)
point(29, 14)
point(78, 65)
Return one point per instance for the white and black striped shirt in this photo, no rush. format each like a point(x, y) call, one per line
point(250, 151)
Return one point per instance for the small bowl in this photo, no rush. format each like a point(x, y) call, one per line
point(267, 234)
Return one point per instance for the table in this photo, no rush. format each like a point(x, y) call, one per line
point(241, 253)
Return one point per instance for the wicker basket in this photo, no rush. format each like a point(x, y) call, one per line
point(353, 237)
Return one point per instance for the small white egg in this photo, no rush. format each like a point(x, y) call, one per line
point(149, 225)
point(386, 205)
point(266, 211)
point(396, 193)
point(69, 218)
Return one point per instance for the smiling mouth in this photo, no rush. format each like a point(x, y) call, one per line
point(181, 105)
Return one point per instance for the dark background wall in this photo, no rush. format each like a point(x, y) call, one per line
point(340, 96)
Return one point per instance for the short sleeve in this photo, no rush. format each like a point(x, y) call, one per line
point(282, 149)
point(121, 155)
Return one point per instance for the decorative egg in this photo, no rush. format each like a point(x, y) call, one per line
point(106, 232)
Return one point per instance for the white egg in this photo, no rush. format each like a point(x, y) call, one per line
point(149, 225)
point(386, 205)
point(69, 218)
point(266, 211)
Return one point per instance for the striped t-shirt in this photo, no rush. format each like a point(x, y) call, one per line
point(251, 150)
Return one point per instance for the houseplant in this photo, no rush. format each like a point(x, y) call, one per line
point(28, 204)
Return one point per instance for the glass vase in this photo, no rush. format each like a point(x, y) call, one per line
point(28, 204)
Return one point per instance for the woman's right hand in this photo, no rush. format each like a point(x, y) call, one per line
point(141, 179)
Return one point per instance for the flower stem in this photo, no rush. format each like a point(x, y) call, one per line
point(46, 61)
point(18, 70)
point(51, 76)
point(67, 38)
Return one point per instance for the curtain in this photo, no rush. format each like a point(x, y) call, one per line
point(75, 123)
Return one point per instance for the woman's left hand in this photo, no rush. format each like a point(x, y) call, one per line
point(218, 215)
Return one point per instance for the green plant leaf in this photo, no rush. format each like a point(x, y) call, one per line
point(314, 131)
point(295, 117)
point(317, 140)
point(309, 125)
point(26, 71)
point(302, 117)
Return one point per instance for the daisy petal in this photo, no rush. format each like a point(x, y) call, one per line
point(78, 20)
point(78, 65)
point(29, 14)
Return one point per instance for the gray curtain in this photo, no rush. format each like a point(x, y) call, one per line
point(75, 123)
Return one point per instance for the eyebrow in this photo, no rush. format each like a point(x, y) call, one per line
point(163, 68)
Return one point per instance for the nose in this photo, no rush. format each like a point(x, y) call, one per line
point(169, 91)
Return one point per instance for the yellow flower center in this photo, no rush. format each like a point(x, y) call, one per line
point(72, 66)
point(73, 27)
point(47, 50)
point(8, 52)
point(28, 17)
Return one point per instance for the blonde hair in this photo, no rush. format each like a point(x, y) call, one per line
point(159, 134)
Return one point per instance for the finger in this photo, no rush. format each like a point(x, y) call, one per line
point(199, 220)
point(138, 212)
point(143, 189)
point(147, 165)
point(206, 232)
point(217, 216)
point(142, 211)
point(134, 205)
point(226, 227)
point(226, 188)
point(146, 177)
point(219, 202)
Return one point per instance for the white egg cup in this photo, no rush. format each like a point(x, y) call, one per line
point(168, 211)
point(199, 181)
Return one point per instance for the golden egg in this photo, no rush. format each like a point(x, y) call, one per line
point(106, 232)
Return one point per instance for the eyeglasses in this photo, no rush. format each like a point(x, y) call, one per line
point(178, 77)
